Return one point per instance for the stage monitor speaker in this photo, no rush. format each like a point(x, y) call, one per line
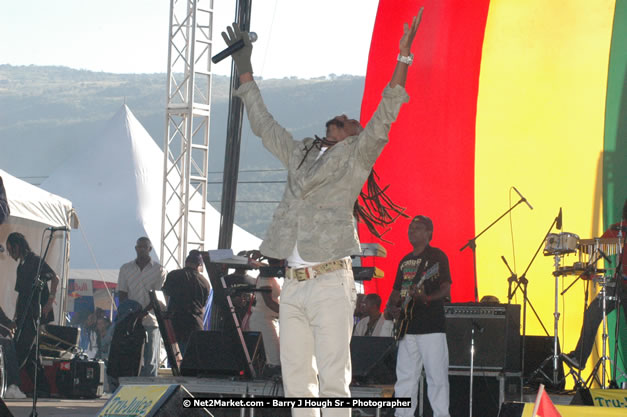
point(496, 336)
point(4, 410)
point(537, 350)
point(582, 397)
point(217, 353)
point(513, 409)
point(373, 359)
point(151, 400)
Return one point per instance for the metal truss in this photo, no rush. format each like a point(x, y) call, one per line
point(186, 147)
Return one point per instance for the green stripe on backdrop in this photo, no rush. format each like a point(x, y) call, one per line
point(615, 151)
point(615, 141)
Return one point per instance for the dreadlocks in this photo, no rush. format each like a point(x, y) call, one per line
point(374, 207)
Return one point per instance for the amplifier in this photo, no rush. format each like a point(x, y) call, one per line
point(496, 335)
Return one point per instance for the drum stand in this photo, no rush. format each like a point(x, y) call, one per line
point(618, 290)
point(522, 281)
point(554, 380)
point(602, 362)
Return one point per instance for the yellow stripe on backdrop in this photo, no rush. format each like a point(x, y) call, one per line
point(540, 115)
point(578, 411)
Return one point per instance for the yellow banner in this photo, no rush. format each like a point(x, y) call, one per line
point(135, 400)
point(609, 398)
point(540, 127)
point(579, 411)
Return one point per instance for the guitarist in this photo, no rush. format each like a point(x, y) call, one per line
point(423, 338)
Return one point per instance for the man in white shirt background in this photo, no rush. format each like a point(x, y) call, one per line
point(374, 323)
point(135, 280)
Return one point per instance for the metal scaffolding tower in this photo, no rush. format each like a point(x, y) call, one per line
point(186, 148)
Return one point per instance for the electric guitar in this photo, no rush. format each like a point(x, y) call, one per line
point(402, 323)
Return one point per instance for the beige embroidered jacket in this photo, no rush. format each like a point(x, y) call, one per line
point(316, 210)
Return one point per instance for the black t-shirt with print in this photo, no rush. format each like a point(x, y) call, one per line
point(432, 261)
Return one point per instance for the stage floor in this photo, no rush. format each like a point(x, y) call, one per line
point(55, 407)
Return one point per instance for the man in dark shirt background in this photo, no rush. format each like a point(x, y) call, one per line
point(25, 313)
point(424, 342)
point(188, 291)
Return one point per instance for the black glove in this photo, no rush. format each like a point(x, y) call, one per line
point(242, 56)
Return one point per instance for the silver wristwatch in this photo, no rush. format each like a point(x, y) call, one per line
point(405, 59)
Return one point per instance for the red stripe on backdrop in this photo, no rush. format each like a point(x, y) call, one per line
point(429, 161)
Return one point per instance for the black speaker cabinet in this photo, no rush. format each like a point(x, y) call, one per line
point(373, 359)
point(490, 390)
point(216, 353)
point(496, 336)
point(539, 363)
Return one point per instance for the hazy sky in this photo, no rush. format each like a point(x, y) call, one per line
point(296, 37)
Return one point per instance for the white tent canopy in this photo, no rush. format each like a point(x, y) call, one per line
point(116, 184)
point(32, 211)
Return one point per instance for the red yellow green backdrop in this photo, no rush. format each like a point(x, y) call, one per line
point(505, 93)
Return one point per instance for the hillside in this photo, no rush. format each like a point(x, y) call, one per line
point(47, 113)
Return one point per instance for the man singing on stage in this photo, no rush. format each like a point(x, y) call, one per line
point(313, 228)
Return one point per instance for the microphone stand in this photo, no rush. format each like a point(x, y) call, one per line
point(512, 279)
point(472, 244)
point(524, 282)
point(473, 325)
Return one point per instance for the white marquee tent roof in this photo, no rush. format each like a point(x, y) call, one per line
point(32, 211)
point(116, 184)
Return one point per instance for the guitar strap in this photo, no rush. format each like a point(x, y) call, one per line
point(421, 270)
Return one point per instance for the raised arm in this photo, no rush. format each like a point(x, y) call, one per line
point(400, 72)
point(275, 138)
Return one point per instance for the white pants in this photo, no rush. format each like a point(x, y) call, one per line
point(316, 319)
point(269, 328)
point(414, 351)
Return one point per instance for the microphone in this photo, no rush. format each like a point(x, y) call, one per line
point(507, 265)
point(58, 229)
point(1, 248)
point(233, 48)
point(559, 220)
point(522, 198)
